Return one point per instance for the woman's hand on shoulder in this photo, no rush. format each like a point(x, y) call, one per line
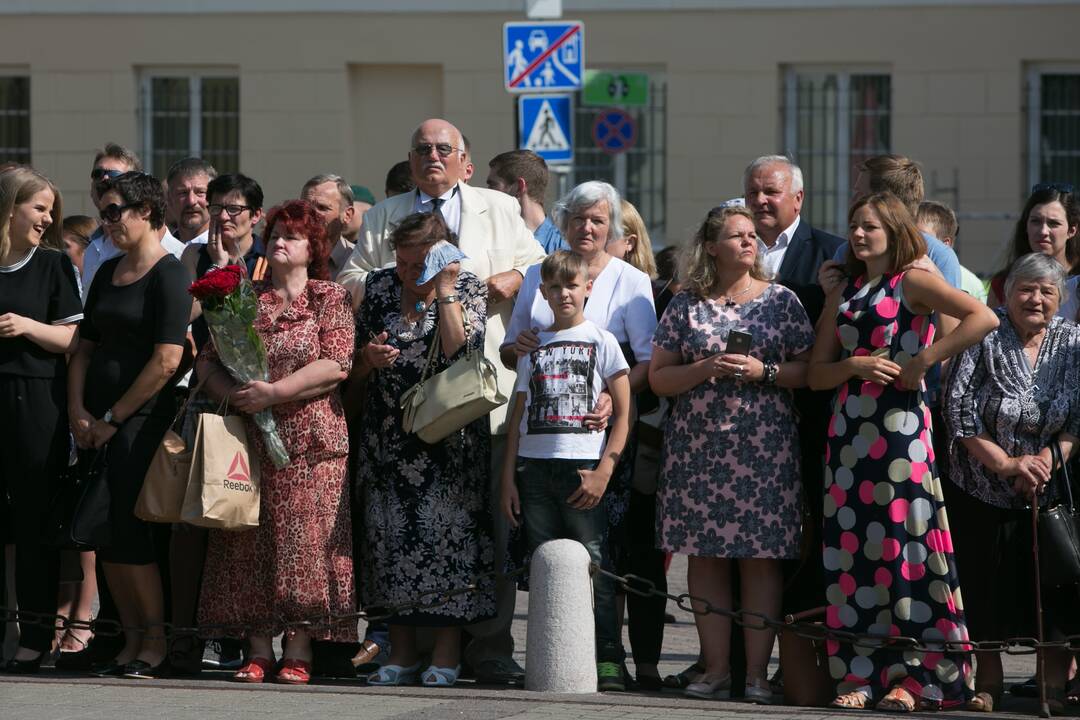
point(254, 396)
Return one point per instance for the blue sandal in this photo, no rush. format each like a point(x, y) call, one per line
point(440, 677)
point(394, 675)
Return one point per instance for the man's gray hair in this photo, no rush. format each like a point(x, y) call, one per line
point(584, 196)
point(793, 170)
point(1036, 267)
point(347, 197)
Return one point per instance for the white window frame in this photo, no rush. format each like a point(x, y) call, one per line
point(790, 127)
point(146, 103)
point(1033, 111)
point(22, 72)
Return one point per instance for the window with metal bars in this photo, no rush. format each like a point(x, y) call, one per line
point(833, 121)
point(1053, 125)
point(15, 119)
point(191, 115)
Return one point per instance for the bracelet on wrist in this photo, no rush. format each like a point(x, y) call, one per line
point(769, 373)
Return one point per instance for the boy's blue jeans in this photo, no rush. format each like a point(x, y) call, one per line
point(544, 486)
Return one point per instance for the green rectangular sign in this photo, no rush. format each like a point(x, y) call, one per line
point(615, 88)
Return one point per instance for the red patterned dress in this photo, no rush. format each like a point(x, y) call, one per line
point(298, 563)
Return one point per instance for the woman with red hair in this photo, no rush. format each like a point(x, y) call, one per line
point(297, 564)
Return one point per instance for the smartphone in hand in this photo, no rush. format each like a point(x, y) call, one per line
point(739, 342)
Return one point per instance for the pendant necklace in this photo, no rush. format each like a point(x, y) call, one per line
point(729, 300)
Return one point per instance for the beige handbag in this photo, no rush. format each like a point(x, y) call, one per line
point(447, 401)
point(161, 498)
point(223, 491)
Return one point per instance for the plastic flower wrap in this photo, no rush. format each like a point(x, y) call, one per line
point(229, 305)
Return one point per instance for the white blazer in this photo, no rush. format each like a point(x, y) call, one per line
point(492, 235)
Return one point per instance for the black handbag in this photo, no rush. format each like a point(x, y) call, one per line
point(1059, 530)
point(81, 513)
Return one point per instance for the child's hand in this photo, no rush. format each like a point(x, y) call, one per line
point(588, 494)
point(510, 503)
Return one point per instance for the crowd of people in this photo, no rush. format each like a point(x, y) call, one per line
point(814, 421)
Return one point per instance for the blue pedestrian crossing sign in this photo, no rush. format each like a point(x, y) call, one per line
point(544, 126)
point(543, 56)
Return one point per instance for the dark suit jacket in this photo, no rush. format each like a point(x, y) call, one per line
point(806, 251)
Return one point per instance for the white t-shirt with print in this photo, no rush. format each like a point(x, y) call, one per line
point(562, 380)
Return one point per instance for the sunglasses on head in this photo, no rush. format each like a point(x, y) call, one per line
point(99, 174)
point(1059, 187)
point(113, 212)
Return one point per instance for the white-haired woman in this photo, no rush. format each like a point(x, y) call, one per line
point(1008, 400)
point(621, 302)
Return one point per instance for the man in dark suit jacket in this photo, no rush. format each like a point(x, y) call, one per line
point(793, 251)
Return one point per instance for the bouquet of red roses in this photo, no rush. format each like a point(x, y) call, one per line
point(229, 305)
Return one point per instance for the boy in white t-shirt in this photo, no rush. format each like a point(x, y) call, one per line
point(562, 468)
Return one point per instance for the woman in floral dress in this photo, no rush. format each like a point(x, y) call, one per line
point(425, 507)
point(888, 557)
point(297, 564)
point(729, 488)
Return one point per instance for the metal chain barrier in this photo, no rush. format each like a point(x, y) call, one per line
point(629, 583)
point(113, 628)
point(815, 631)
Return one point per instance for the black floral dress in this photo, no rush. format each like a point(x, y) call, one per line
point(425, 508)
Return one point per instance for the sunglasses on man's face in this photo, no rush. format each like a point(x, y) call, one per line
point(113, 212)
point(1059, 187)
point(444, 149)
point(99, 174)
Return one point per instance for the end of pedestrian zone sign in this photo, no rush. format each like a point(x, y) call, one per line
point(543, 56)
point(545, 126)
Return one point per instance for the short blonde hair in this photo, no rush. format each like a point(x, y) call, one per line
point(697, 268)
point(17, 186)
point(641, 256)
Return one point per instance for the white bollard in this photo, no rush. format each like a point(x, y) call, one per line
point(560, 646)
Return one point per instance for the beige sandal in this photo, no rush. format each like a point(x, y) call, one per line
point(854, 700)
point(898, 700)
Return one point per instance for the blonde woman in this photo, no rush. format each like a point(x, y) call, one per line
point(634, 245)
point(730, 482)
point(39, 311)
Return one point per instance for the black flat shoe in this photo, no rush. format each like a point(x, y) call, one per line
point(650, 683)
point(109, 668)
point(142, 670)
point(24, 667)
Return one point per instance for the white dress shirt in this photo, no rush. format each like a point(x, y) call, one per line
point(773, 257)
point(451, 207)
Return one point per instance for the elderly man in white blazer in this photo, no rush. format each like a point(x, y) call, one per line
point(500, 248)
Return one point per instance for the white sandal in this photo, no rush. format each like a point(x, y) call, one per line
point(440, 677)
point(394, 675)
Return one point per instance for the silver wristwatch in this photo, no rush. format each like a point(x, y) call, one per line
point(447, 300)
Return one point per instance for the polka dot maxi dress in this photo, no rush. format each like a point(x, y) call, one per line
point(888, 554)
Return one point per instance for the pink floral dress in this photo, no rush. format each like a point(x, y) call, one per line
point(298, 563)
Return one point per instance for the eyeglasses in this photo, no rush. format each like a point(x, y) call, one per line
point(1059, 187)
point(112, 213)
point(98, 174)
point(444, 149)
point(233, 210)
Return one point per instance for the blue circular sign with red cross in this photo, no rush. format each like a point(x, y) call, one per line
point(614, 131)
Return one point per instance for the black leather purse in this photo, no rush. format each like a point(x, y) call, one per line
point(1059, 529)
point(81, 513)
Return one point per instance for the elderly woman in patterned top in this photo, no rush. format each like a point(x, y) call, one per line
point(1009, 399)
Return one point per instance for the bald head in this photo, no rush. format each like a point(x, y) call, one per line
point(437, 156)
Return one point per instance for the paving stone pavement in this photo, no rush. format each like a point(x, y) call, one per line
point(51, 696)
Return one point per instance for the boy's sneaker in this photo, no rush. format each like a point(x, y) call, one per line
point(609, 677)
point(222, 655)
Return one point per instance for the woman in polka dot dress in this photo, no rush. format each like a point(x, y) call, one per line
point(887, 551)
